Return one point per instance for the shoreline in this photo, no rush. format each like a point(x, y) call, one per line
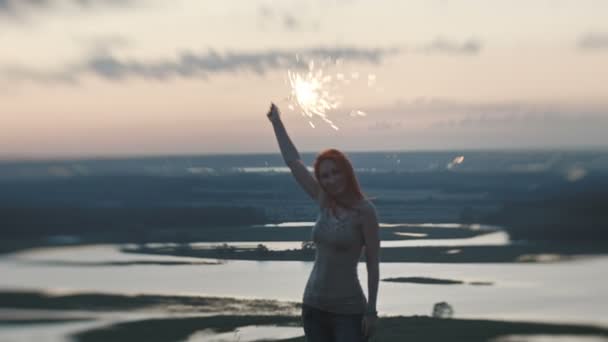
point(528, 253)
point(186, 235)
point(255, 312)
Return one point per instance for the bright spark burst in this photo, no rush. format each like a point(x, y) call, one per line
point(311, 91)
point(315, 93)
point(456, 161)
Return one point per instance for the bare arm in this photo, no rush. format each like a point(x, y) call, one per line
point(371, 234)
point(291, 156)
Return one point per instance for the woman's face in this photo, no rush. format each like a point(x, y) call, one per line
point(331, 177)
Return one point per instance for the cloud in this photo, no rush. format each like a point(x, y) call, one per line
point(446, 114)
point(384, 125)
point(193, 65)
point(450, 47)
point(524, 120)
point(104, 44)
point(11, 6)
point(269, 17)
point(290, 22)
point(265, 12)
point(442, 108)
point(90, 3)
point(16, 7)
point(438, 123)
point(593, 42)
point(103, 63)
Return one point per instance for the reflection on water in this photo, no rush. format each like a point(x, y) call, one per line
point(248, 334)
point(263, 169)
point(287, 224)
point(271, 245)
point(474, 226)
point(491, 239)
point(540, 258)
point(573, 292)
point(550, 338)
point(414, 235)
point(92, 253)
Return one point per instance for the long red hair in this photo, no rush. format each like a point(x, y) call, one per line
point(342, 162)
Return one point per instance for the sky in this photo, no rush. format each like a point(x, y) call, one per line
point(83, 78)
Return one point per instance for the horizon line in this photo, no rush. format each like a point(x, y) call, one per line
point(153, 155)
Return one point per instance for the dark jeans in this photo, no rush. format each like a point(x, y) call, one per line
point(323, 326)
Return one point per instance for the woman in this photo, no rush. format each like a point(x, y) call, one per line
point(334, 306)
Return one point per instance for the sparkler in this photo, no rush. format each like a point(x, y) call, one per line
point(315, 93)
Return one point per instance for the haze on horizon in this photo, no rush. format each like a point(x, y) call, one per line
point(133, 77)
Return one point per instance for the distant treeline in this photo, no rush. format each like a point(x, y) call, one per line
point(32, 221)
point(531, 205)
point(127, 189)
point(568, 215)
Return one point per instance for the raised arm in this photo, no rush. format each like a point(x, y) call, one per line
point(291, 156)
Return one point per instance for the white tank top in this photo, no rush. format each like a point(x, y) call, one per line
point(333, 284)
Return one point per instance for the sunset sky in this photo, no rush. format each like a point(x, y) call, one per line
point(133, 77)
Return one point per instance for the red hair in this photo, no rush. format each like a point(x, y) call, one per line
point(344, 165)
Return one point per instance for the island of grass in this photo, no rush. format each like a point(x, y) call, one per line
point(229, 314)
point(433, 281)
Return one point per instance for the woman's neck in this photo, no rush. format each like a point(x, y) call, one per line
point(348, 199)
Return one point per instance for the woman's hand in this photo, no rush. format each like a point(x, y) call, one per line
point(273, 113)
point(369, 325)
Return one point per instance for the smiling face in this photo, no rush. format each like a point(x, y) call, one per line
point(331, 177)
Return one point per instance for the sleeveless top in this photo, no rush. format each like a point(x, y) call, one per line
point(333, 284)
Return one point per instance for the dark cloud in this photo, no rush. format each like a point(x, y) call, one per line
point(594, 41)
point(193, 65)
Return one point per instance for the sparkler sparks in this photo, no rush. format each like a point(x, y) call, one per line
point(316, 93)
point(456, 161)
